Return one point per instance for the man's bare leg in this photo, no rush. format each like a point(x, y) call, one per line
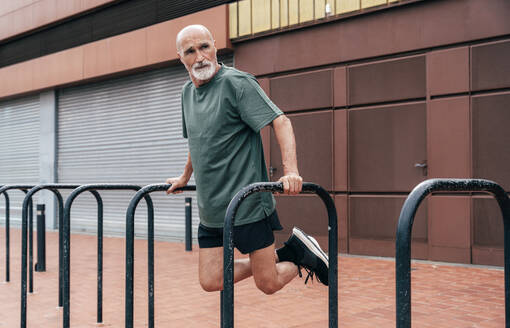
point(210, 268)
point(269, 276)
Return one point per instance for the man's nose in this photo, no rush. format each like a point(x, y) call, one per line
point(200, 56)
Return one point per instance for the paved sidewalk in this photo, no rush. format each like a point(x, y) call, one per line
point(443, 295)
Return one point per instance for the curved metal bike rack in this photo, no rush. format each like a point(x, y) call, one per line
point(130, 250)
point(227, 318)
point(26, 203)
point(3, 190)
point(93, 188)
point(404, 229)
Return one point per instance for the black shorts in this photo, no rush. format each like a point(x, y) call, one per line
point(247, 237)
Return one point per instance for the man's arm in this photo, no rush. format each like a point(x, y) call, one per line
point(182, 180)
point(292, 181)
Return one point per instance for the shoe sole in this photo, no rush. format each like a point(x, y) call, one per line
point(312, 245)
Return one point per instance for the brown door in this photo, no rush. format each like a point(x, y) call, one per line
point(387, 148)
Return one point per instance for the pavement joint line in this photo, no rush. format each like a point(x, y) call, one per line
point(438, 263)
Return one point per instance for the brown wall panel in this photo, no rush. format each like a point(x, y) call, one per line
point(487, 222)
point(491, 138)
point(340, 159)
point(385, 143)
point(490, 66)
point(340, 86)
point(488, 238)
point(44, 12)
point(416, 26)
point(448, 71)
point(448, 138)
point(342, 212)
point(449, 219)
point(314, 143)
point(309, 90)
point(306, 212)
point(387, 80)
point(376, 217)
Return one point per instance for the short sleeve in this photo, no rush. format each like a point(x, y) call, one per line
point(254, 107)
point(184, 132)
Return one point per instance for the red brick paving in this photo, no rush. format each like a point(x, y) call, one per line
point(443, 295)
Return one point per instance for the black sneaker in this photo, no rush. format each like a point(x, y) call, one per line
point(309, 255)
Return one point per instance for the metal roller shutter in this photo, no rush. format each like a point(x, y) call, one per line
point(19, 150)
point(126, 130)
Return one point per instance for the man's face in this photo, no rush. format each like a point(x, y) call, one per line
point(198, 54)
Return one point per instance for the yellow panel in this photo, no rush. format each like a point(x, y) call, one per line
point(261, 13)
point(284, 13)
point(344, 6)
point(393, 1)
point(275, 14)
point(305, 10)
point(232, 14)
point(244, 17)
point(372, 3)
point(320, 9)
point(293, 12)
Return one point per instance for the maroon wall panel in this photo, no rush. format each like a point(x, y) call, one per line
point(487, 231)
point(448, 71)
point(490, 66)
point(387, 80)
point(314, 139)
point(448, 134)
point(340, 86)
point(306, 212)
point(341, 203)
point(340, 133)
point(385, 143)
point(310, 90)
point(415, 26)
point(374, 218)
point(449, 219)
point(491, 138)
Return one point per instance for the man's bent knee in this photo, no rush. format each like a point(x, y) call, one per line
point(211, 285)
point(267, 286)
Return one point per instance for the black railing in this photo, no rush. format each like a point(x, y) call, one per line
point(227, 317)
point(93, 188)
point(27, 205)
point(130, 250)
point(404, 229)
point(3, 190)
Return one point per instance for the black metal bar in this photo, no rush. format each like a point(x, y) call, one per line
point(130, 250)
point(404, 230)
point(3, 190)
point(40, 266)
point(99, 256)
point(24, 218)
point(7, 237)
point(188, 237)
point(31, 246)
point(228, 247)
point(93, 188)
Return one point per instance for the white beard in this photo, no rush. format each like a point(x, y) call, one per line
point(204, 73)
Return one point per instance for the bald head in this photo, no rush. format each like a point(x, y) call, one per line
point(192, 31)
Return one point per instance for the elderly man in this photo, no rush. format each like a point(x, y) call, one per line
point(223, 110)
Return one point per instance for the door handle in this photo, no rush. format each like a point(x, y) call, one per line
point(422, 166)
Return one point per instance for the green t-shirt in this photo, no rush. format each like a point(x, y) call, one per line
point(222, 120)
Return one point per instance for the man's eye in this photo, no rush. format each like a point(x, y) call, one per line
point(204, 46)
point(189, 52)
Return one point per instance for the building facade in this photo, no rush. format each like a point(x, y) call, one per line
point(382, 95)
